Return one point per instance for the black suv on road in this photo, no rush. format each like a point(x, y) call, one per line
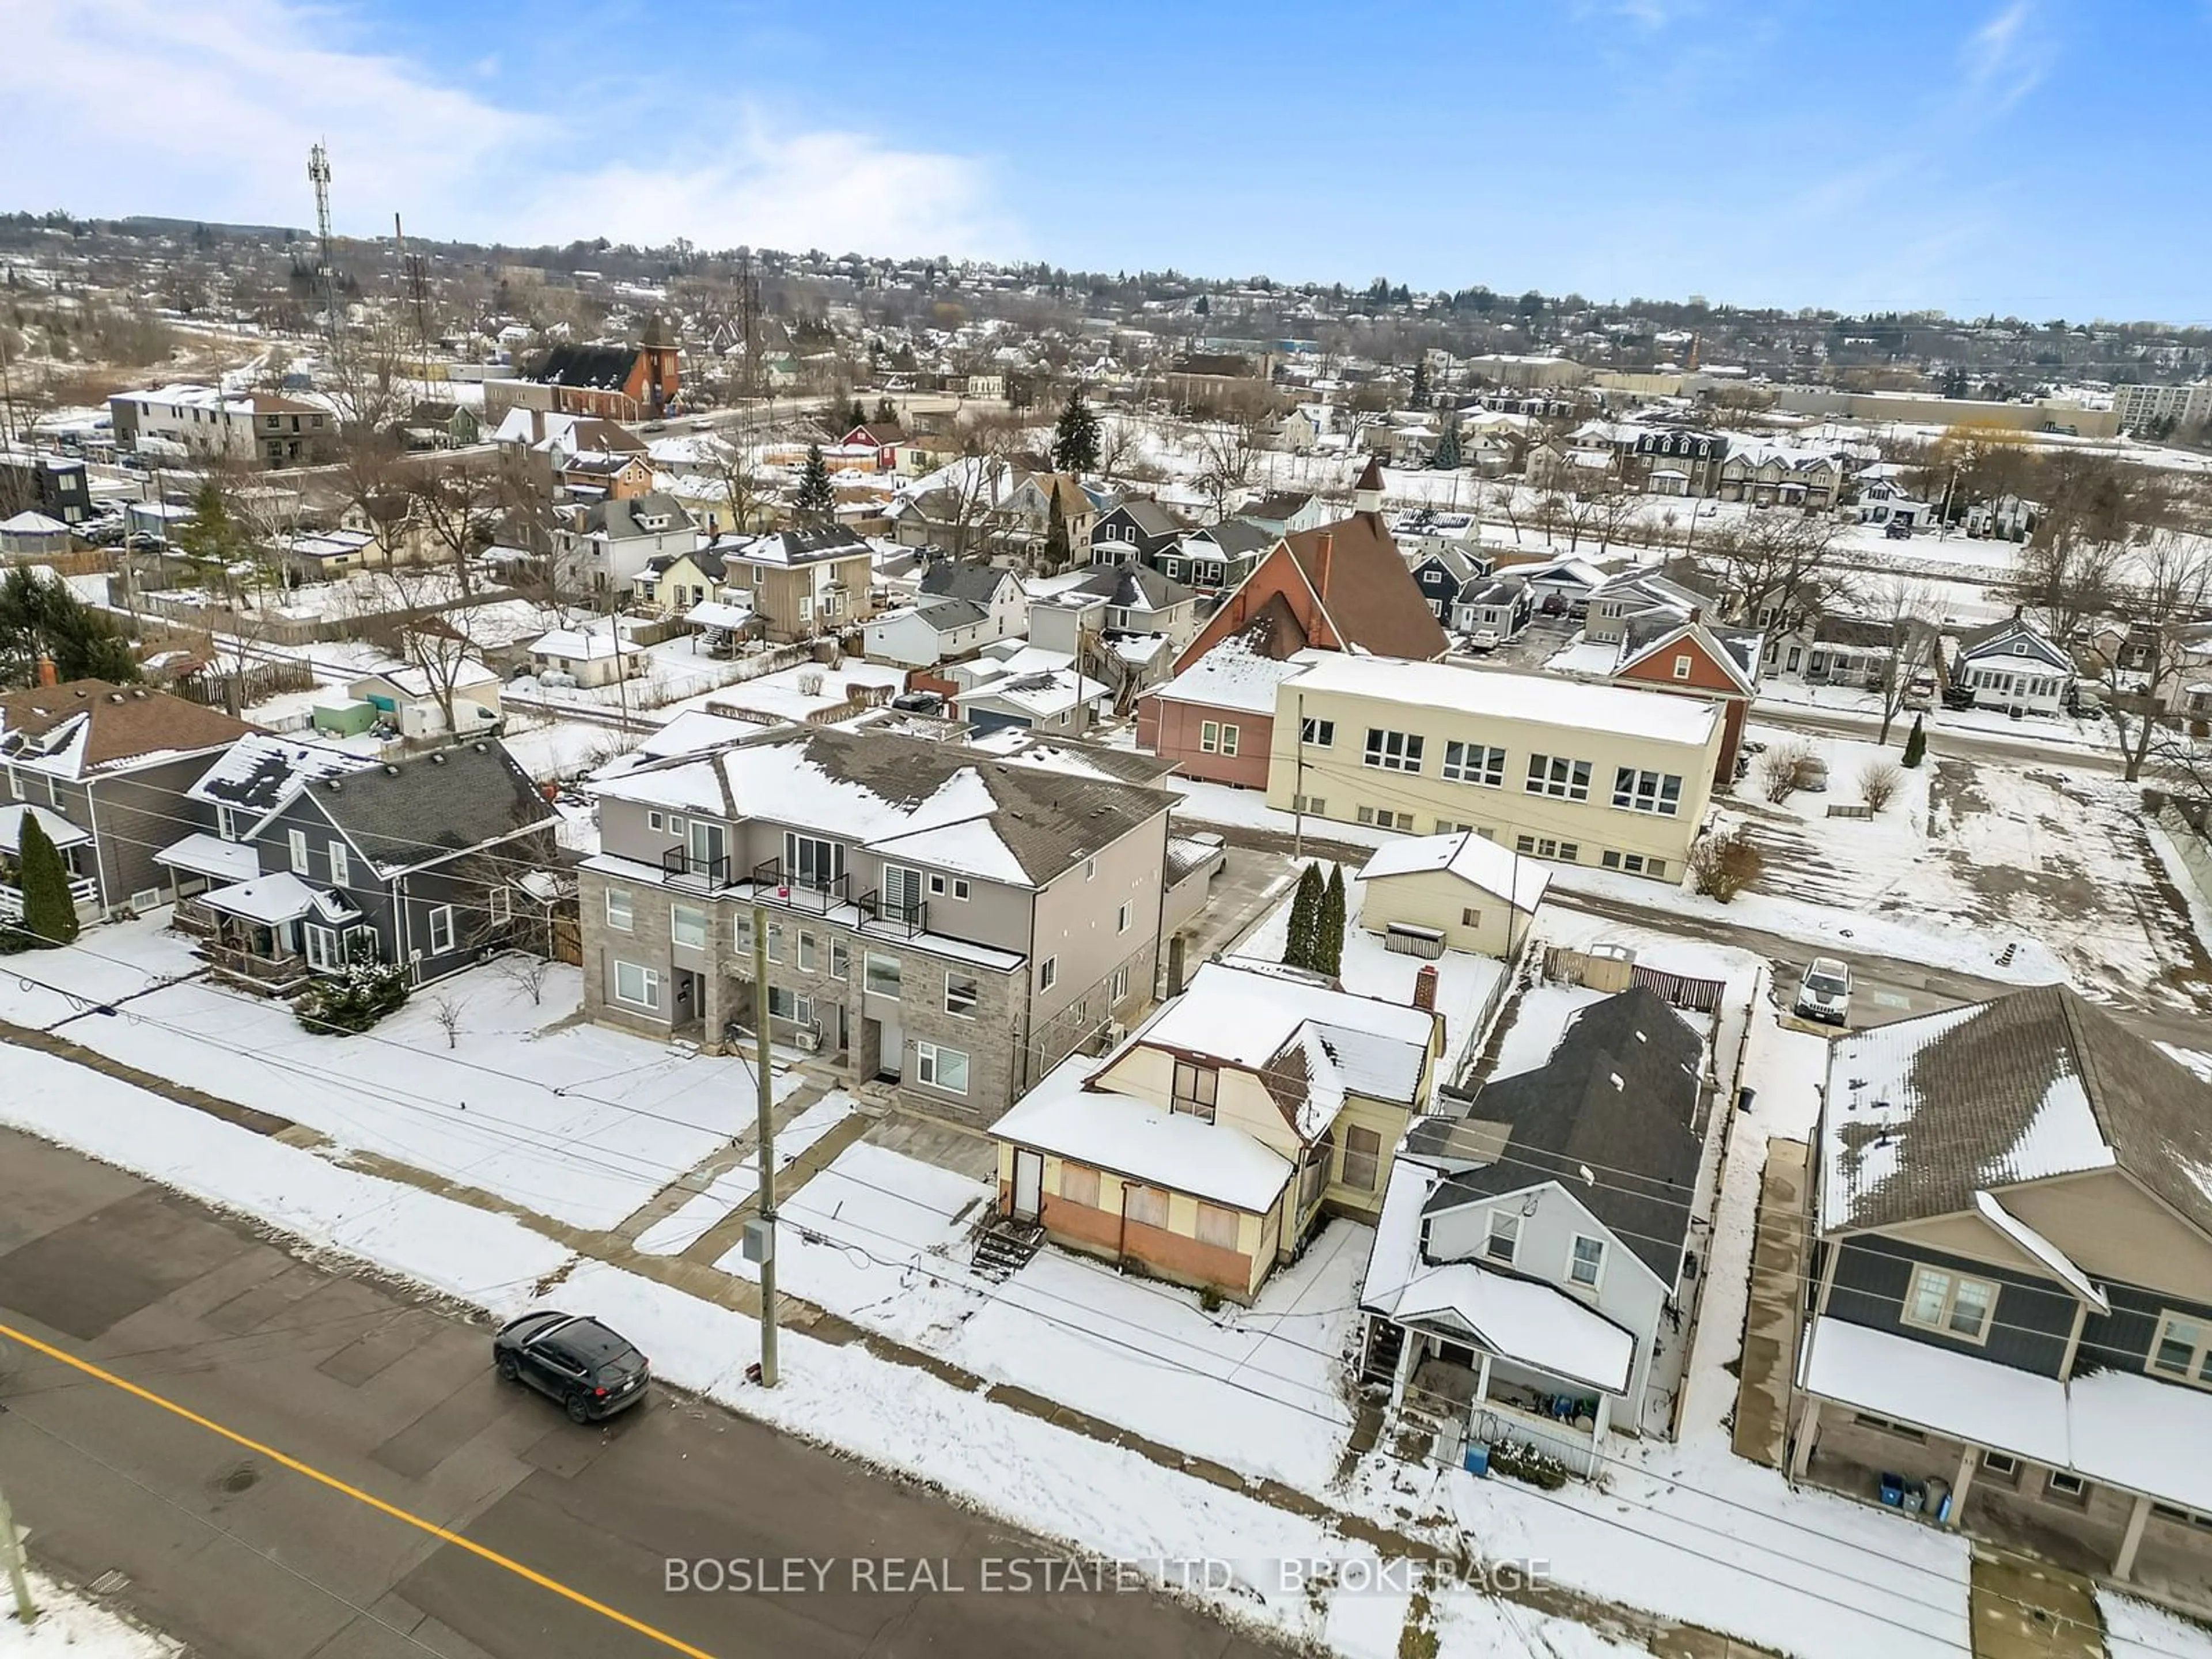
point(578, 1362)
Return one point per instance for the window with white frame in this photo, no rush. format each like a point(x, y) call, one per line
point(1586, 1261)
point(636, 985)
point(1474, 762)
point(620, 909)
point(1121, 917)
point(1216, 738)
point(1558, 776)
point(1393, 751)
point(1548, 847)
point(1951, 1304)
point(1048, 973)
point(323, 948)
point(960, 994)
point(841, 959)
point(1320, 734)
point(785, 1003)
point(498, 904)
point(941, 1068)
point(1383, 817)
point(1117, 984)
point(441, 930)
point(1683, 665)
point(2183, 1348)
point(775, 942)
point(1314, 804)
point(1504, 1237)
point(226, 818)
point(295, 846)
point(808, 949)
point(687, 926)
point(881, 975)
point(1637, 791)
point(341, 871)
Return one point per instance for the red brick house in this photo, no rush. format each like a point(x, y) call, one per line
point(1215, 720)
point(1685, 657)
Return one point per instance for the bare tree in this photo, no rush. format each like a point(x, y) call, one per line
point(1879, 782)
point(2093, 506)
point(1780, 561)
point(1225, 448)
point(447, 1011)
point(456, 507)
point(1908, 613)
point(2166, 589)
point(526, 973)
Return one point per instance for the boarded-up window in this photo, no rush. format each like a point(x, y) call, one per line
point(1146, 1205)
point(1079, 1185)
point(1363, 1153)
point(1217, 1226)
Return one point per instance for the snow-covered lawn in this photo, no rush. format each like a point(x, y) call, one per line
point(2023, 852)
point(74, 1626)
point(2136, 1630)
point(1464, 980)
point(735, 1186)
point(786, 695)
point(575, 1121)
point(551, 749)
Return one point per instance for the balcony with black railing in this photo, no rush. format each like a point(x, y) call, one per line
point(774, 883)
point(906, 917)
point(681, 864)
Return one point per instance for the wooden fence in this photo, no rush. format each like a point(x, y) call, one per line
point(1603, 972)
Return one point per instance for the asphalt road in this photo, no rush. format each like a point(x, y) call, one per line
point(243, 1557)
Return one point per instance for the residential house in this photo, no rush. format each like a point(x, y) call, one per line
point(1553, 769)
point(1343, 586)
point(1678, 461)
point(1026, 514)
point(1502, 605)
point(417, 861)
point(1514, 1297)
point(440, 424)
point(1129, 614)
point(55, 486)
point(1139, 528)
point(2012, 665)
point(1826, 648)
point(1015, 685)
point(950, 920)
point(958, 608)
point(204, 422)
point(616, 539)
point(803, 584)
point(1215, 720)
point(1562, 587)
point(1428, 894)
point(256, 777)
point(1674, 592)
point(1218, 557)
point(885, 438)
point(1777, 475)
point(1207, 1147)
point(1885, 501)
point(596, 653)
point(672, 583)
point(2010, 1301)
point(599, 474)
point(1441, 572)
point(541, 443)
point(1289, 511)
point(1682, 656)
point(106, 766)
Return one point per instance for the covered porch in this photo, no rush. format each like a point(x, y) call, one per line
point(198, 862)
point(271, 934)
point(75, 846)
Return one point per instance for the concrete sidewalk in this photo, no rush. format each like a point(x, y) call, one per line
point(1771, 1322)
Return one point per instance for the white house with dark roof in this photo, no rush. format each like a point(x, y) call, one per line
point(1534, 1248)
point(2012, 665)
point(2011, 1322)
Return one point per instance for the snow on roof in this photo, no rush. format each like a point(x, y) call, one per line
point(972, 845)
point(415, 682)
point(204, 854)
point(2060, 1264)
point(1231, 676)
point(1480, 863)
point(1394, 1258)
point(1243, 1016)
point(2122, 1428)
point(713, 613)
point(1125, 1136)
point(592, 642)
point(280, 896)
point(1523, 1320)
point(59, 830)
point(262, 771)
point(27, 523)
point(1504, 694)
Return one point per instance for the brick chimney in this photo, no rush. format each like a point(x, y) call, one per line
point(46, 674)
point(1424, 988)
point(1324, 551)
point(1697, 614)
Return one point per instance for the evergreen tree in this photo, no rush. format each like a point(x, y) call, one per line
point(1055, 534)
point(49, 912)
point(1447, 457)
point(1420, 394)
point(854, 415)
point(1305, 919)
point(885, 415)
point(42, 619)
point(816, 499)
point(1328, 940)
point(1075, 442)
point(1916, 743)
point(361, 993)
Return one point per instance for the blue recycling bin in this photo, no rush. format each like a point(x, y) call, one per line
point(1476, 1459)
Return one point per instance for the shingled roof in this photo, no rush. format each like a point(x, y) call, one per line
point(1922, 1113)
point(1615, 1116)
point(416, 812)
point(1368, 592)
point(595, 367)
point(85, 727)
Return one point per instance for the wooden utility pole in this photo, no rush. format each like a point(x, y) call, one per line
point(762, 1079)
point(11, 1551)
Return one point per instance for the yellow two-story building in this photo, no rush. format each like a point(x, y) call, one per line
point(1551, 768)
point(1208, 1145)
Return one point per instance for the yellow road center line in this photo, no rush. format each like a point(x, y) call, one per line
point(444, 1535)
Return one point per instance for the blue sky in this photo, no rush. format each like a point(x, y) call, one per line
point(2041, 157)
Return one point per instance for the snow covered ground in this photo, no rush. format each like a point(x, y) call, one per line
point(2136, 1629)
point(74, 1626)
point(736, 1186)
point(572, 1120)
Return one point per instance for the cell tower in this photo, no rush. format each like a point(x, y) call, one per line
point(318, 174)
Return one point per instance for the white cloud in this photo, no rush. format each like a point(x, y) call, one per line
point(2006, 58)
point(206, 111)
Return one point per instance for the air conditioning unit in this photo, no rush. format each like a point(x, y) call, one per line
point(1116, 1032)
point(807, 1040)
